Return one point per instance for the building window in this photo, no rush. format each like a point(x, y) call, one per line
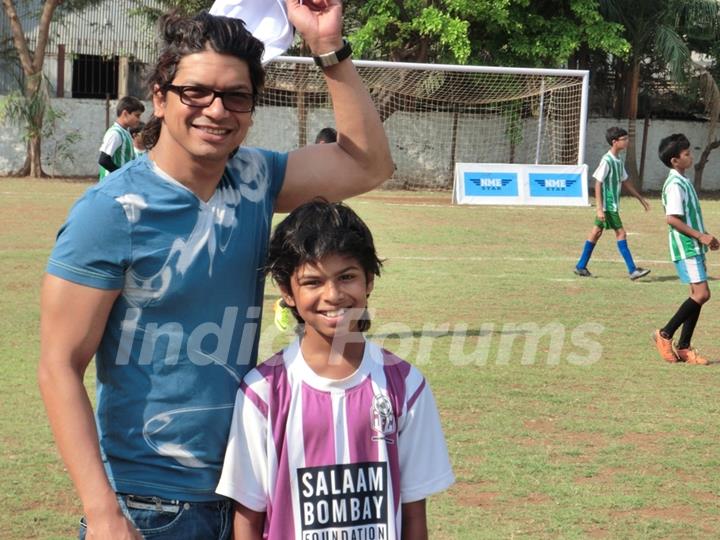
point(95, 76)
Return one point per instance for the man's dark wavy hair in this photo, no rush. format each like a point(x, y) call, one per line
point(313, 231)
point(182, 36)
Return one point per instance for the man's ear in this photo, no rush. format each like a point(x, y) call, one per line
point(370, 284)
point(159, 99)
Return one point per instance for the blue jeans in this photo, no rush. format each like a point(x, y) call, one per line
point(160, 519)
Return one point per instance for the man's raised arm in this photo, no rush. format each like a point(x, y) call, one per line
point(360, 160)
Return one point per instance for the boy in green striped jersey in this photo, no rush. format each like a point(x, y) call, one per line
point(117, 146)
point(610, 177)
point(688, 242)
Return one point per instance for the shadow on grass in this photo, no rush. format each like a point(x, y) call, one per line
point(660, 279)
point(439, 333)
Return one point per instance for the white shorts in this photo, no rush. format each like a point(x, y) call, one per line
point(691, 270)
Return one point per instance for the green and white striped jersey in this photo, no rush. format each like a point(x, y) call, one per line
point(117, 143)
point(611, 174)
point(680, 199)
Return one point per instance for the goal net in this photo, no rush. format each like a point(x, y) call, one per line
point(437, 115)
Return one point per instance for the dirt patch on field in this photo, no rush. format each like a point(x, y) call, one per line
point(603, 476)
point(542, 425)
point(596, 532)
point(706, 497)
point(473, 495)
point(556, 438)
point(643, 441)
point(682, 513)
point(531, 498)
point(442, 199)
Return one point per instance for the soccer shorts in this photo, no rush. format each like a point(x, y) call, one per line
point(691, 270)
point(612, 221)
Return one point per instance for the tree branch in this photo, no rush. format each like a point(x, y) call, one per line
point(18, 37)
point(43, 32)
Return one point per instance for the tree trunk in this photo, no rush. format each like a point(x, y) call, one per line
point(25, 169)
point(32, 64)
point(34, 158)
point(632, 110)
point(700, 165)
point(620, 94)
point(35, 92)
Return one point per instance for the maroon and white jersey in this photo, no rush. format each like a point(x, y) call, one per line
point(334, 459)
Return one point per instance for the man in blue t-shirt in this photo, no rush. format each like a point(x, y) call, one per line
point(158, 274)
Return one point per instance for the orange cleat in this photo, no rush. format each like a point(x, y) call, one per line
point(665, 348)
point(691, 356)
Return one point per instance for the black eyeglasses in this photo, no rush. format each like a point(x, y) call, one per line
point(200, 97)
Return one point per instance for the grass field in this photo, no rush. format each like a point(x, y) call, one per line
point(586, 435)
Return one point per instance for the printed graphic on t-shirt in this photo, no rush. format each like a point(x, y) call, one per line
point(166, 432)
point(344, 502)
point(382, 419)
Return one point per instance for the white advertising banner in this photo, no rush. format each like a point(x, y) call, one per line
point(502, 183)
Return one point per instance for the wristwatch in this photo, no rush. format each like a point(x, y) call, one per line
point(334, 57)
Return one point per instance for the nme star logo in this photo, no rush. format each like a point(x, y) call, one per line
point(491, 183)
point(382, 419)
point(555, 184)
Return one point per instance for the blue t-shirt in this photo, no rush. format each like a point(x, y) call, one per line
point(184, 330)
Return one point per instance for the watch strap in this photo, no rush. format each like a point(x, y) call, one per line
point(334, 57)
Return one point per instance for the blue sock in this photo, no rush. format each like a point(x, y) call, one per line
point(625, 252)
point(585, 257)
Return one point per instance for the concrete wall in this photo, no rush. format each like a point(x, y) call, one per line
point(655, 172)
point(85, 117)
point(420, 144)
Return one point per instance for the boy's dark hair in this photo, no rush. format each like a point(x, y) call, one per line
point(182, 36)
point(614, 133)
point(315, 230)
point(671, 147)
point(137, 129)
point(130, 104)
point(326, 135)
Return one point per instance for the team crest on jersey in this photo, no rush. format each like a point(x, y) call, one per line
point(382, 419)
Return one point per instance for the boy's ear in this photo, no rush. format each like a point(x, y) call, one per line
point(370, 284)
point(286, 296)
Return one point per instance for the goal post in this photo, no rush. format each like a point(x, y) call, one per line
point(438, 115)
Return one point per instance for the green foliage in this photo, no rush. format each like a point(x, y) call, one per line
point(67, 6)
point(666, 30)
point(501, 32)
point(36, 117)
point(22, 111)
point(183, 6)
point(507, 32)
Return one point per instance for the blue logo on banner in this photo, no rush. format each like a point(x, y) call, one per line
point(493, 184)
point(555, 185)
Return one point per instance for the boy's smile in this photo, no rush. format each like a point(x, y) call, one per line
point(330, 295)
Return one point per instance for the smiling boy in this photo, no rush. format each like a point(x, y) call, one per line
point(333, 437)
